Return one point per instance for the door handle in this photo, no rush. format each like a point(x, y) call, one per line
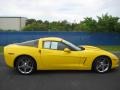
point(39, 51)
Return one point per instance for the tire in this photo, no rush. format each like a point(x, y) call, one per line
point(25, 65)
point(102, 64)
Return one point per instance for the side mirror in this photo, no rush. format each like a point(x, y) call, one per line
point(67, 50)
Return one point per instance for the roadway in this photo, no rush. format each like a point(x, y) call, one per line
point(58, 80)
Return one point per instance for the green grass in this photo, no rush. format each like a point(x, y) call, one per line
point(110, 48)
point(1, 49)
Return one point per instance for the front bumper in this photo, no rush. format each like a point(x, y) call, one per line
point(115, 63)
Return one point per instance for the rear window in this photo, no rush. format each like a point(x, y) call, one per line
point(33, 43)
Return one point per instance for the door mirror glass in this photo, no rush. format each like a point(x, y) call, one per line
point(67, 50)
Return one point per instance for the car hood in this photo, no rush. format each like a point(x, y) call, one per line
point(87, 47)
point(101, 51)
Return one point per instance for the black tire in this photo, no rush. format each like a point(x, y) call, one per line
point(25, 65)
point(102, 64)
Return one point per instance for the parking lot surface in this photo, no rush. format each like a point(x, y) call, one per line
point(58, 80)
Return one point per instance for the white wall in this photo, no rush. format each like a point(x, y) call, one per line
point(12, 23)
point(23, 22)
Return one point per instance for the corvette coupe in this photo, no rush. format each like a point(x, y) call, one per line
point(53, 53)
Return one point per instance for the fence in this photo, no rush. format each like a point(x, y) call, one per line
point(78, 38)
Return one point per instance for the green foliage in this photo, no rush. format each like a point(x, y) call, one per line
point(1, 30)
point(113, 48)
point(117, 27)
point(108, 23)
point(35, 26)
point(88, 24)
point(1, 49)
point(30, 21)
point(105, 23)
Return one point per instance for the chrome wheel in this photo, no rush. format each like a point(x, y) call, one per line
point(102, 64)
point(25, 65)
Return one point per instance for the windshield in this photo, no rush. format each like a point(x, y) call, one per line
point(72, 45)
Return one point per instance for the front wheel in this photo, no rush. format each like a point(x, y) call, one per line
point(102, 64)
point(25, 65)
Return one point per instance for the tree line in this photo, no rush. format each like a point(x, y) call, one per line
point(104, 23)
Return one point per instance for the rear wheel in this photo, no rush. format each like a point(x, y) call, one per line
point(102, 64)
point(25, 65)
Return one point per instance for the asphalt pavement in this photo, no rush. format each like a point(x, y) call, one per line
point(58, 80)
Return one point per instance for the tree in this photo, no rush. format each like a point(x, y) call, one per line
point(117, 27)
point(39, 21)
point(88, 24)
point(30, 21)
point(107, 23)
point(35, 27)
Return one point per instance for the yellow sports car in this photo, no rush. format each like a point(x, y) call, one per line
point(54, 53)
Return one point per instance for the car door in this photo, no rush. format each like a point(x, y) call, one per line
point(54, 56)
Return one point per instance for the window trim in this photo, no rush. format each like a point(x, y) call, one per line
point(24, 43)
point(50, 44)
point(43, 44)
point(58, 42)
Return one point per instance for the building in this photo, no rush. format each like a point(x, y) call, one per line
point(12, 23)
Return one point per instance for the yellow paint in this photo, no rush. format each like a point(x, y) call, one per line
point(47, 59)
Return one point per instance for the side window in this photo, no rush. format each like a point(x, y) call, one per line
point(47, 44)
point(32, 43)
point(50, 45)
point(62, 46)
point(54, 45)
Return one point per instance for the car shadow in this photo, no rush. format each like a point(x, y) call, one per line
point(61, 71)
point(13, 72)
point(87, 72)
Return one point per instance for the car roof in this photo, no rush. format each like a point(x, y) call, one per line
point(52, 38)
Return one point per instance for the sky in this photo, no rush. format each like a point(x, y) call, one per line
point(58, 10)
